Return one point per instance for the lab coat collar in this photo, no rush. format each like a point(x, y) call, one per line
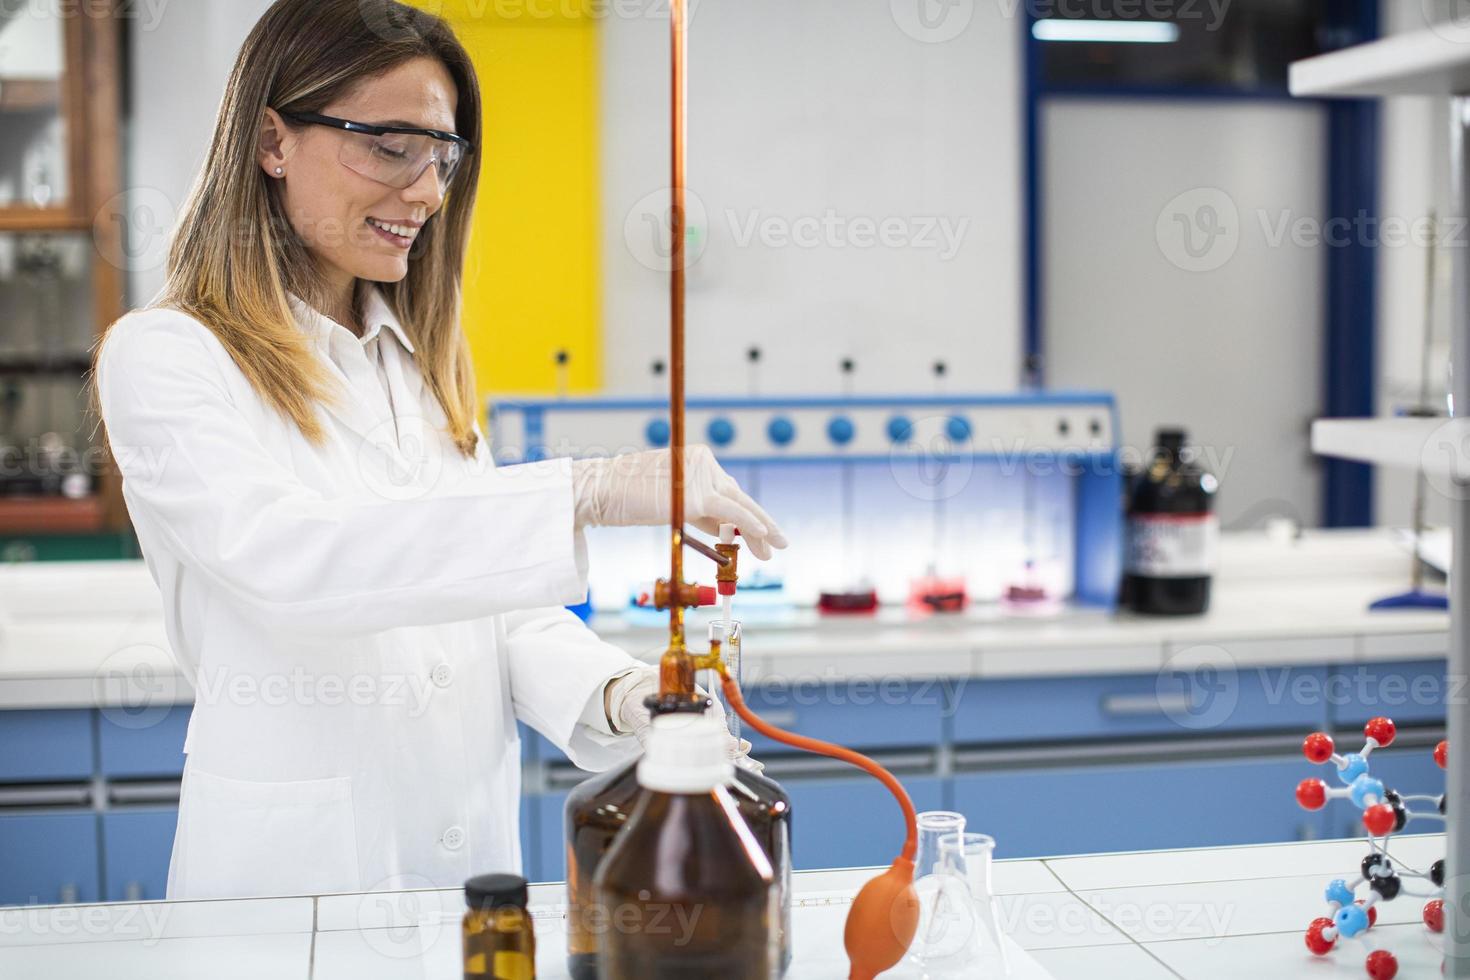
point(376, 314)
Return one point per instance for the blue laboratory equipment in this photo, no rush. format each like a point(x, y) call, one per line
point(919, 497)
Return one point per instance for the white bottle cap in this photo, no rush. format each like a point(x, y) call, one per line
point(685, 754)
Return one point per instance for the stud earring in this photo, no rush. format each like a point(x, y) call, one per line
point(279, 171)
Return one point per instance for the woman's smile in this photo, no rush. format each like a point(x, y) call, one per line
point(398, 233)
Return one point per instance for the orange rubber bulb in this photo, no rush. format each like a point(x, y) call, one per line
point(882, 921)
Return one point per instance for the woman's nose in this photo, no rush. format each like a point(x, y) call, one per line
point(425, 191)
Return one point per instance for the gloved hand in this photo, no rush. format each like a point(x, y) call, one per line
point(633, 489)
point(624, 702)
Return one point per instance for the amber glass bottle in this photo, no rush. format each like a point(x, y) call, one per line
point(686, 892)
point(598, 808)
point(499, 941)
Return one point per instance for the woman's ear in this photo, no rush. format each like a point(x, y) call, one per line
point(273, 143)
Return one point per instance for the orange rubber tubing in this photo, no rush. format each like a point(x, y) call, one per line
point(732, 694)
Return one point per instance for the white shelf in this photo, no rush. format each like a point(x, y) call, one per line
point(1438, 446)
point(1427, 62)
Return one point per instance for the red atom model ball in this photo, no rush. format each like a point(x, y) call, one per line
point(1372, 913)
point(1434, 914)
point(1319, 944)
point(1317, 747)
point(1378, 819)
point(1442, 754)
point(1381, 965)
point(1380, 730)
point(1311, 794)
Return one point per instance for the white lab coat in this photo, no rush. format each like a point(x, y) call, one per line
point(366, 618)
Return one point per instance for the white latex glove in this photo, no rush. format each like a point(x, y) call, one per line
point(624, 699)
point(633, 489)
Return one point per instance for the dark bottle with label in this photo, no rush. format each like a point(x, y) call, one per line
point(597, 809)
point(686, 892)
point(1173, 533)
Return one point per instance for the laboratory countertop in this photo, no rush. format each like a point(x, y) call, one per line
point(68, 628)
point(1194, 914)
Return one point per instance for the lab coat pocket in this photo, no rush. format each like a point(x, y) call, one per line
point(246, 837)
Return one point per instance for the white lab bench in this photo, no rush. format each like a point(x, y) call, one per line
point(1005, 718)
point(1198, 914)
point(66, 627)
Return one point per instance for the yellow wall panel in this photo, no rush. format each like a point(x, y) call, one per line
point(532, 274)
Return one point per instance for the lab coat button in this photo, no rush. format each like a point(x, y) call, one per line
point(453, 838)
point(442, 675)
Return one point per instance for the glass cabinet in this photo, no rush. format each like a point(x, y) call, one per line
point(60, 281)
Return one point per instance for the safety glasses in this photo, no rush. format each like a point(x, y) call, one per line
point(393, 155)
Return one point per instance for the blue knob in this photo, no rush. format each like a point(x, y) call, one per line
point(840, 430)
point(721, 431)
point(900, 429)
point(781, 430)
point(958, 428)
point(657, 433)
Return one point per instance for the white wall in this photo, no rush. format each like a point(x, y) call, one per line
point(795, 110)
point(1226, 343)
point(179, 68)
point(1414, 178)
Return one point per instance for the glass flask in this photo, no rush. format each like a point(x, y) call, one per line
point(977, 949)
point(499, 941)
point(686, 892)
point(598, 808)
point(937, 903)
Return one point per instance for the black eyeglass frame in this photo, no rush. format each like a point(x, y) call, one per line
point(317, 119)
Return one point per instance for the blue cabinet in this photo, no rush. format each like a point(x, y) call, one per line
point(852, 821)
point(45, 746)
point(143, 745)
point(549, 845)
point(1030, 709)
point(47, 858)
point(876, 713)
point(136, 847)
point(1408, 691)
point(1039, 812)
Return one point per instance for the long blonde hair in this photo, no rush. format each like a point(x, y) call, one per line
point(235, 257)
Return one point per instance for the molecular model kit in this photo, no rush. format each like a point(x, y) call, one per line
point(1385, 813)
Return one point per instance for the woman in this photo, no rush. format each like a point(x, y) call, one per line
point(367, 603)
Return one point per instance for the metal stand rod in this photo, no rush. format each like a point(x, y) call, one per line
point(1457, 709)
